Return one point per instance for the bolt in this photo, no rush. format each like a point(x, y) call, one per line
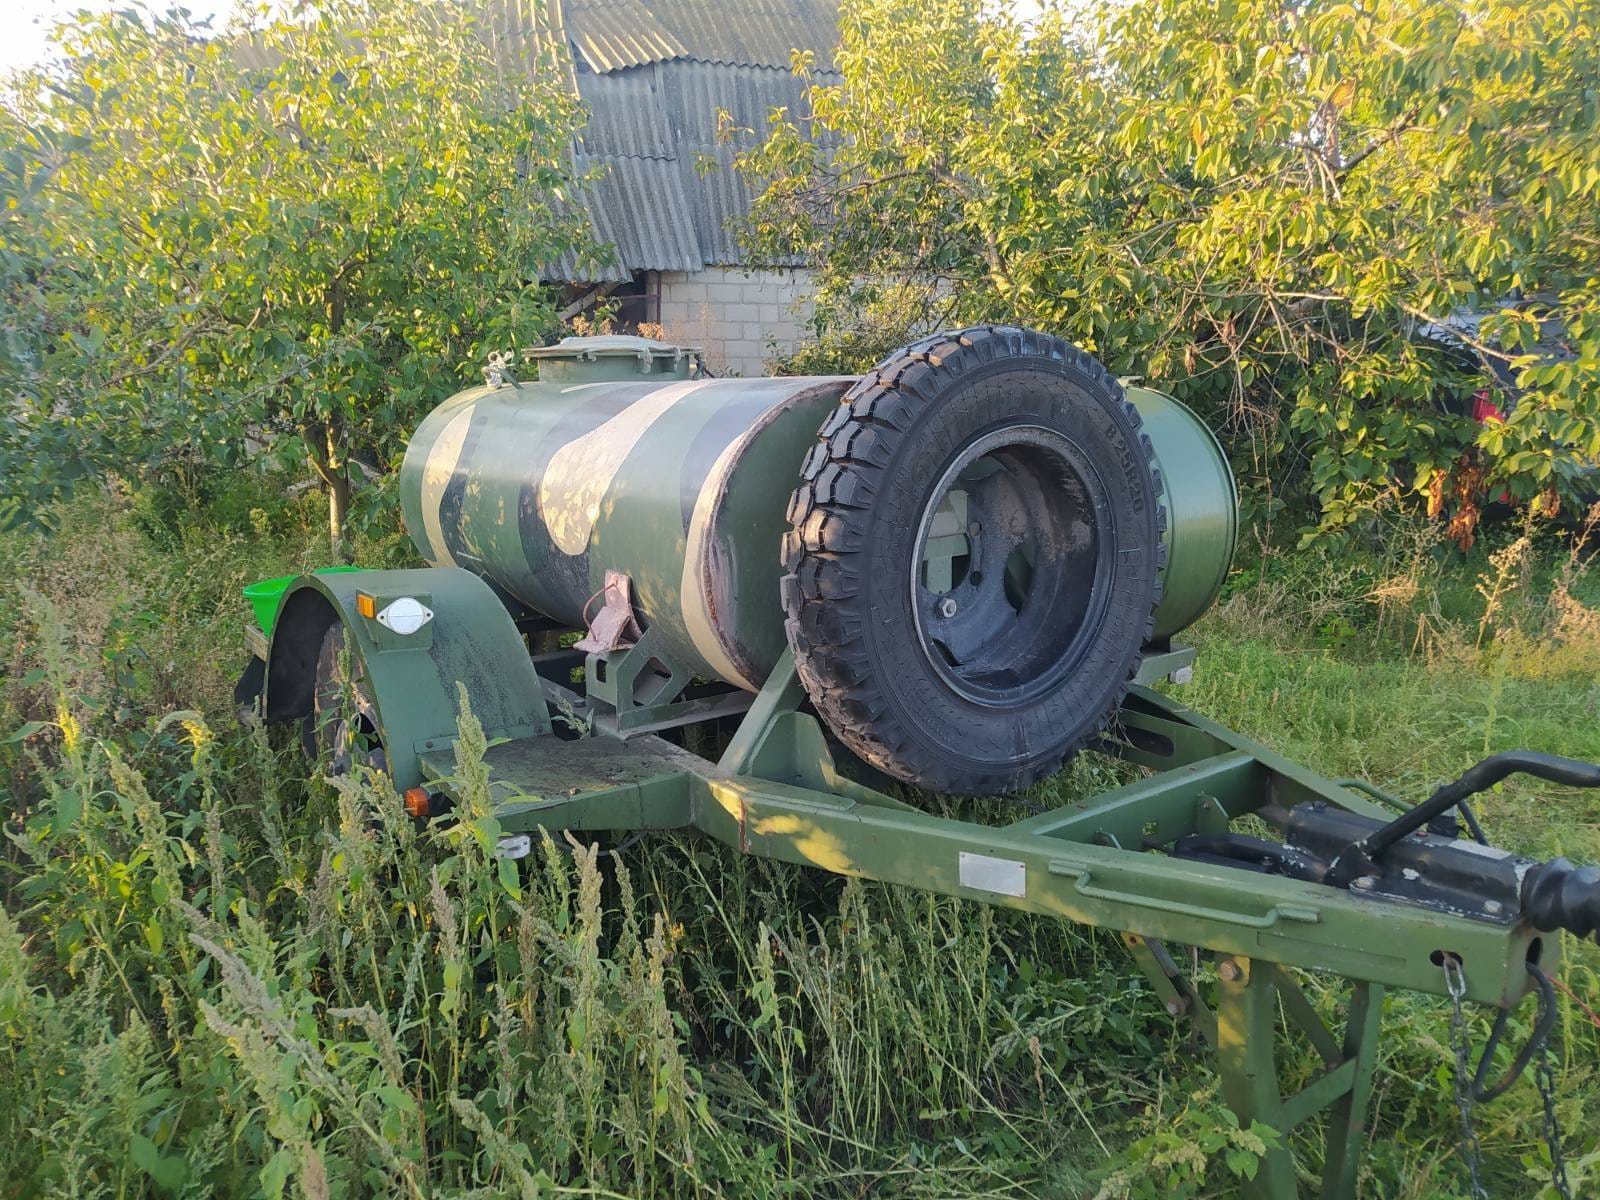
point(974, 529)
point(1493, 907)
point(947, 608)
point(1365, 883)
point(1229, 970)
point(1411, 874)
point(1174, 1007)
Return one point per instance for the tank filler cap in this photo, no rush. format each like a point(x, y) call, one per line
point(613, 356)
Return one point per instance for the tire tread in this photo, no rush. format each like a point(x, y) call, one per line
point(828, 511)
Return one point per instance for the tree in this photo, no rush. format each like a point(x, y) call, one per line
point(1256, 204)
point(287, 239)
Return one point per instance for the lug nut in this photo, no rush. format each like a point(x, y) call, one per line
point(948, 608)
point(1364, 884)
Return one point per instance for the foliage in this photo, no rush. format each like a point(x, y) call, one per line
point(271, 983)
point(1256, 205)
point(1173, 1161)
point(284, 240)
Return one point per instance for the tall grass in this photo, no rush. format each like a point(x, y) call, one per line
point(222, 974)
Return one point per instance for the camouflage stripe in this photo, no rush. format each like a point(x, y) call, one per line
point(581, 472)
point(543, 488)
point(703, 575)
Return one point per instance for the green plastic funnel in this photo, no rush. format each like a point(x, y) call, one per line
point(264, 595)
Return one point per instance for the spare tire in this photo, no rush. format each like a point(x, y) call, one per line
point(974, 559)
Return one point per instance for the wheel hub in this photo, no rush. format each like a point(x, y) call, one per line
point(1010, 564)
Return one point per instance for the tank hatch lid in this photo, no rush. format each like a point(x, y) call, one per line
point(612, 356)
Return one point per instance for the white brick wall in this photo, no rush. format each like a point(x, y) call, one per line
point(740, 318)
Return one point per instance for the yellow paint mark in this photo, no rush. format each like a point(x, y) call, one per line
point(817, 846)
point(729, 798)
point(581, 472)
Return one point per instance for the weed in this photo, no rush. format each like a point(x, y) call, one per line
point(274, 983)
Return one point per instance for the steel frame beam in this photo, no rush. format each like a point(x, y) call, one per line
point(777, 792)
point(1241, 1030)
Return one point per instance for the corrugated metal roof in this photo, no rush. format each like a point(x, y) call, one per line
point(671, 197)
point(527, 36)
point(628, 114)
point(613, 35)
point(654, 75)
point(753, 33)
point(748, 95)
point(651, 214)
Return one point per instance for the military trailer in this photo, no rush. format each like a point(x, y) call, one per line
point(947, 575)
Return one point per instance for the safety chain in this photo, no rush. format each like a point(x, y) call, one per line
point(1544, 1075)
point(1455, 982)
point(1467, 1084)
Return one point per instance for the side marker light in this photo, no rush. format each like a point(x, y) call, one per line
point(405, 616)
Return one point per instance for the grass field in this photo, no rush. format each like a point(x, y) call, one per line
point(221, 977)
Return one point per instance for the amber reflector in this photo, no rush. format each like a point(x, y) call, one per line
point(366, 605)
point(418, 802)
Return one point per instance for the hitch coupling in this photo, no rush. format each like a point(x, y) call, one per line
point(1417, 858)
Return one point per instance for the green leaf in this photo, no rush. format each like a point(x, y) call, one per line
point(1242, 1162)
point(507, 869)
point(69, 807)
point(144, 1152)
point(396, 1097)
point(275, 1175)
point(169, 1173)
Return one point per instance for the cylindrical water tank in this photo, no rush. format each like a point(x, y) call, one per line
point(616, 459)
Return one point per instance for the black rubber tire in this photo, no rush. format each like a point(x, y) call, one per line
point(855, 520)
point(341, 730)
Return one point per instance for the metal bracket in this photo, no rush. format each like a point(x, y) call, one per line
point(642, 690)
point(1242, 1029)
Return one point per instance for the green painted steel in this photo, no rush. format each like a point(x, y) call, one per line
point(610, 357)
point(614, 463)
point(777, 793)
point(471, 641)
point(617, 462)
point(1202, 509)
point(682, 486)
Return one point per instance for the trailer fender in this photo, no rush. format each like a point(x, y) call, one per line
point(470, 640)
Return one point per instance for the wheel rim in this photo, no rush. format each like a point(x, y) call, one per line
point(1011, 566)
point(344, 723)
point(348, 740)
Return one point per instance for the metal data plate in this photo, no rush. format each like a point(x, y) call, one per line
point(1002, 876)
